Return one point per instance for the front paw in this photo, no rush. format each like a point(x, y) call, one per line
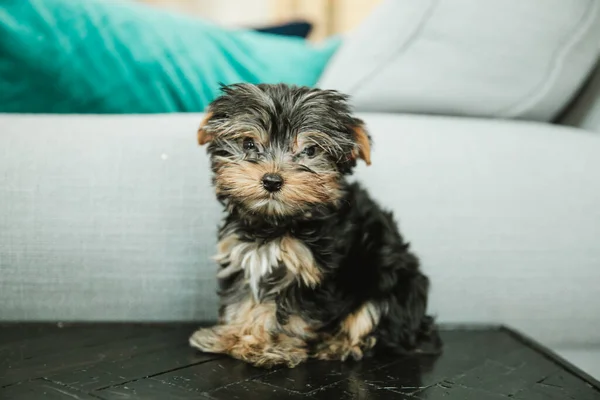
point(210, 340)
point(342, 349)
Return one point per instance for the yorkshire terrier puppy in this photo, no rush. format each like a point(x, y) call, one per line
point(309, 265)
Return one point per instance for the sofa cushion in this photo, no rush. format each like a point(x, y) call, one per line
point(114, 218)
point(93, 56)
point(495, 58)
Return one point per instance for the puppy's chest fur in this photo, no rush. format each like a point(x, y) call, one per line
point(269, 265)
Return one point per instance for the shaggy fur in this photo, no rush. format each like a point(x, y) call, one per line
point(309, 265)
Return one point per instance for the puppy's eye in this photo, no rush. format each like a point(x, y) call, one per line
point(248, 144)
point(310, 151)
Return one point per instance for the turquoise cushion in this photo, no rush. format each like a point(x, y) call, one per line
point(90, 56)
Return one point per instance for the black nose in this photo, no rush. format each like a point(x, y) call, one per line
point(272, 182)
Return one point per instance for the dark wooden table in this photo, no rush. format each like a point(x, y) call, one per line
point(155, 362)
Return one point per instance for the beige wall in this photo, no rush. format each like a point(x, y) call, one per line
point(227, 12)
point(328, 16)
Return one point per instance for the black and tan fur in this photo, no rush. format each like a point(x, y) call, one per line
point(313, 268)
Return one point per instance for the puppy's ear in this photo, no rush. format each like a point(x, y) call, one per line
point(203, 135)
point(362, 139)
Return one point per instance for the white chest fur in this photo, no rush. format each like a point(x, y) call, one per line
point(258, 259)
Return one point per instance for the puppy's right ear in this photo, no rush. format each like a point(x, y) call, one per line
point(203, 135)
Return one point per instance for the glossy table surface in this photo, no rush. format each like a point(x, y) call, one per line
point(111, 361)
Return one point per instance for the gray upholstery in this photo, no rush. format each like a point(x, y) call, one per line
point(514, 59)
point(113, 218)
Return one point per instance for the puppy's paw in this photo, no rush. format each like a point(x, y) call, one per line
point(209, 340)
point(340, 353)
point(273, 358)
point(342, 350)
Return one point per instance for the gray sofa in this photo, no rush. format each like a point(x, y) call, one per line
point(113, 218)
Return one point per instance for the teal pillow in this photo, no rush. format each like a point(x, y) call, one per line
point(90, 56)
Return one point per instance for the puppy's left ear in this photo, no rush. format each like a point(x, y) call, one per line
point(203, 135)
point(362, 139)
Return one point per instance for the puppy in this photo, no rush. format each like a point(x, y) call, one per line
point(309, 265)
